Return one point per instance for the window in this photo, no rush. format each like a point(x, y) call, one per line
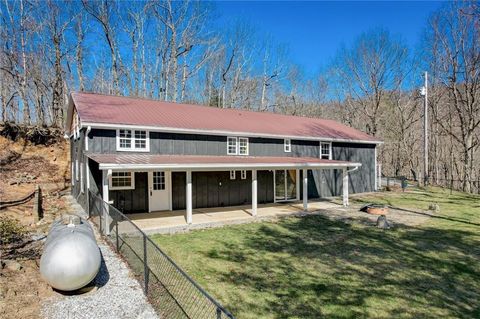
point(232, 146)
point(242, 146)
point(232, 175)
point(158, 181)
point(132, 140)
point(140, 139)
point(125, 139)
point(287, 145)
point(237, 146)
point(122, 180)
point(243, 174)
point(325, 150)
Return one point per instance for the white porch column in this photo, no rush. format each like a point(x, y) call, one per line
point(189, 197)
point(105, 178)
point(254, 192)
point(345, 187)
point(305, 189)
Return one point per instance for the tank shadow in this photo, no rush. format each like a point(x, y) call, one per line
point(103, 275)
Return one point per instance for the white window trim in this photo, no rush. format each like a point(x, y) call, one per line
point(287, 145)
point(82, 187)
point(233, 175)
point(114, 188)
point(238, 146)
point(76, 170)
point(329, 149)
point(73, 174)
point(243, 174)
point(132, 143)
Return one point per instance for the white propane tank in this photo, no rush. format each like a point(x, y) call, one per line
point(71, 258)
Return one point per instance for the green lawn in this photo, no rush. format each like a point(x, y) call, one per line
point(312, 267)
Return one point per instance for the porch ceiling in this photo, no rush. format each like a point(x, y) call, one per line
point(197, 162)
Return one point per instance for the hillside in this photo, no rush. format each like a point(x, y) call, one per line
point(23, 165)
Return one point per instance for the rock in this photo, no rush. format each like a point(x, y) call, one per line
point(383, 223)
point(37, 237)
point(434, 208)
point(12, 265)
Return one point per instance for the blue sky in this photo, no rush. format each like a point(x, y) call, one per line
point(314, 31)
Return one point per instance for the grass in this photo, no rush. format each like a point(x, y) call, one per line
point(312, 267)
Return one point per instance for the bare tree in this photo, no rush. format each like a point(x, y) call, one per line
point(374, 65)
point(104, 12)
point(455, 44)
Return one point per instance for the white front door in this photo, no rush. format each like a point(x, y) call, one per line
point(158, 190)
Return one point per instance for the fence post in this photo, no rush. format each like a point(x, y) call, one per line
point(451, 186)
point(116, 235)
point(88, 202)
point(100, 217)
point(219, 313)
point(145, 266)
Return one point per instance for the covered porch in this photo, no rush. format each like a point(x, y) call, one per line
point(289, 183)
point(162, 222)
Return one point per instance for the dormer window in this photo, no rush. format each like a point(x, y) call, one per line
point(237, 145)
point(242, 146)
point(287, 145)
point(325, 150)
point(133, 140)
point(232, 146)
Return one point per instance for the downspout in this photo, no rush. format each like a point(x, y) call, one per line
point(345, 185)
point(87, 131)
point(353, 169)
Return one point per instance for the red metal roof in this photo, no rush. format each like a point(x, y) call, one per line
point(118, 161)
point(106, 109)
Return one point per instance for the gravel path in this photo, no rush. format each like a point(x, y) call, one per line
point(116, 294)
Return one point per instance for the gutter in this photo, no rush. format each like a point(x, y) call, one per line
point(223, 166)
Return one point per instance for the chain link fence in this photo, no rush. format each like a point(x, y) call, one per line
point(452, 184)
point(169, 289)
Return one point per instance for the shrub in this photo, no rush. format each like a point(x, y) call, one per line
point(10, 230)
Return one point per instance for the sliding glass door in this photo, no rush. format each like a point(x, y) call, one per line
point(285, 185)
point(280, 185)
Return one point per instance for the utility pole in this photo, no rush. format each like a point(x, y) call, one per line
point(425, 131)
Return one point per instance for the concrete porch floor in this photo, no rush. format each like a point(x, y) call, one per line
point(174, 221)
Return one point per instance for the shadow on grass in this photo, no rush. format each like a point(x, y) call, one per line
point(435, 216)
point(313, 267)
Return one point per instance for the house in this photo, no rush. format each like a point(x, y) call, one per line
point(143, 155)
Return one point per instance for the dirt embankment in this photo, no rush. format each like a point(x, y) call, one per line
point(23, 165)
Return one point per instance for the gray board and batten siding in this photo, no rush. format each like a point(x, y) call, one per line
point(322, 183)
point(216, 189)
point(103, 141)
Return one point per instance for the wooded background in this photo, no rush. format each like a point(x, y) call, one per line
point(172, 50)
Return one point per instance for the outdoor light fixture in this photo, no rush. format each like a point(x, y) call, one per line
point(423, 91)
